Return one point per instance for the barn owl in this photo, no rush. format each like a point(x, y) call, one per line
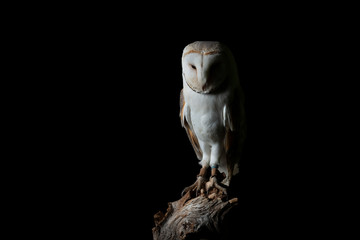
point(212, 112)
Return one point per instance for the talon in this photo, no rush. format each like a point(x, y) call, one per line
point(220, 188)
point(215, 184)
point(198, 185)
point(197, 192)
point(185, 190)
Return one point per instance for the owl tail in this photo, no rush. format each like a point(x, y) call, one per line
point(232, 168)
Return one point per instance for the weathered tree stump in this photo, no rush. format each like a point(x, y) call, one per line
point(202, 217)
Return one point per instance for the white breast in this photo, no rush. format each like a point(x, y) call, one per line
point(206, 112)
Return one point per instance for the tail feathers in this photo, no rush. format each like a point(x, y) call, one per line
point(229, 172)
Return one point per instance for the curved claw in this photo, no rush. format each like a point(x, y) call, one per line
point(198, 184)
point(216, 185)
point(187, 189)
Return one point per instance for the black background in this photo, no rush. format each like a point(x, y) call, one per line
point(112, 131)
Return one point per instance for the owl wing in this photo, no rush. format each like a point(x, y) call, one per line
point(186, 123)
point(235, 125)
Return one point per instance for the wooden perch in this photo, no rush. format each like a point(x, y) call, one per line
point(201, 217)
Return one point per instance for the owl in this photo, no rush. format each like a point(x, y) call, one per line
point(212, 112)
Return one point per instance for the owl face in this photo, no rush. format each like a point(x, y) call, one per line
point(204, 66)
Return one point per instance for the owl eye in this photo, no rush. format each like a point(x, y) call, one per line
point(192, 66)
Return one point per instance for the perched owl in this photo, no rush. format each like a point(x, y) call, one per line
point(212, 112)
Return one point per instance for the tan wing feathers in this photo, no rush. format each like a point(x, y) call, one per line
point(234, 138)
point(192, 137)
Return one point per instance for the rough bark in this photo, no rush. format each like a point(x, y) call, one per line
point(194, 217)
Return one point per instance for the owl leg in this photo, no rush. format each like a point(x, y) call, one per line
point(198, 184)
point(216, 176)
point(214, 180)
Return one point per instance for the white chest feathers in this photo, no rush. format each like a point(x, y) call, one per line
point(204, 112)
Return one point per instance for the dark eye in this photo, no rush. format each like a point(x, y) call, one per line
point(192, 66)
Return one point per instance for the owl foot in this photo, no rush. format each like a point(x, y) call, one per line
point(214, 184)
point(197, 185)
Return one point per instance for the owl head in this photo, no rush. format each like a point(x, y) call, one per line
point(206, 65)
